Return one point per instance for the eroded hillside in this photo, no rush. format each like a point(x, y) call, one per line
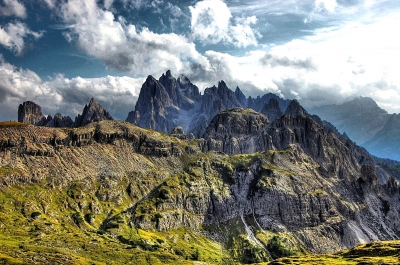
point(111, 192)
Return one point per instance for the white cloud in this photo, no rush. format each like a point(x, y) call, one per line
point(211, 23)
point(121, 45)
point(330, 67)
point(13, 8)
point(118, 95)
point(329, 5)
point(12, 36)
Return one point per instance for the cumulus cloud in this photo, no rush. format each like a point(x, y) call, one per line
point(13, 8)
point(13, 35)
point(121, 45)
point(211, 23)
point(328, 5)
point(330, 67)
point(68, 96)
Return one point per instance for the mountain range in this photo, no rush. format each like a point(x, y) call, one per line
point(256, 186)
point(169, 102)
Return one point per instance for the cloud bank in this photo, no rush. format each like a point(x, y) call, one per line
point(63, 95)
point(326, 64)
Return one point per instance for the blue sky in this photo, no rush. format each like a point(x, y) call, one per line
point(61, 53)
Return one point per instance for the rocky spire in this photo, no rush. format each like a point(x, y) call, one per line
point(93, 112)
point(295, 109)
point(31, 113)
point(241, 97)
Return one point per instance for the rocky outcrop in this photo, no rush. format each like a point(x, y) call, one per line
point(241, 97)
point(60, 121)
point(236, 131)
point(272, 110)
point(259, 102)
point(295, 109)
point(31, 113)
point(179, 103)
point(93, 112)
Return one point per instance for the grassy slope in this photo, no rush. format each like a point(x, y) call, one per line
point(386, 252)
point(88, 221)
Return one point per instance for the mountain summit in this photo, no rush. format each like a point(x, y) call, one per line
point(93, 112)
point(169, 102)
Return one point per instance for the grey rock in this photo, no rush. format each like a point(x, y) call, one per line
point(31, 113)
point(59, 121)
point(272, 110)
point(93, 112)
point(178, 103)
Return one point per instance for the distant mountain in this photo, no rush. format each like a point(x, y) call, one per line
point(361, 118)
point(93, 112)
point(31, 113)
point(367, 124)
point(386, 142)
point(168, 102)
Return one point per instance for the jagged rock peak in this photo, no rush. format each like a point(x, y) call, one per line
point(93, 112)
point(295, 109)
point(241, 97)
point(272, 110)
point(31, 113)
point(183, 80)
point(150, 80)
point(59, 121)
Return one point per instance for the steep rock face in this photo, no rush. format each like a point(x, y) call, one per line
point(179, 103)
point(159, 103)
point(272, 110)
point(236, 131)
point(295, 109)
point(241, 97)
point(93, 112)
point(31, 113)
point(258, 103)
point(217, 99)
point(188, 89)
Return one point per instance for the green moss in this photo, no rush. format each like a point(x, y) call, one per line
point(7, 170)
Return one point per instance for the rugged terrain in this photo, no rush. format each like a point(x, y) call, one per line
point(111, 189)
point(168, 102)
point(31, 113)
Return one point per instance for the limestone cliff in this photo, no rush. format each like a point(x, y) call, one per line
point(31, 113)
point(177, 102)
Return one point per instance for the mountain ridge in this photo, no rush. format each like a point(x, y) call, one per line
point(305, 183)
